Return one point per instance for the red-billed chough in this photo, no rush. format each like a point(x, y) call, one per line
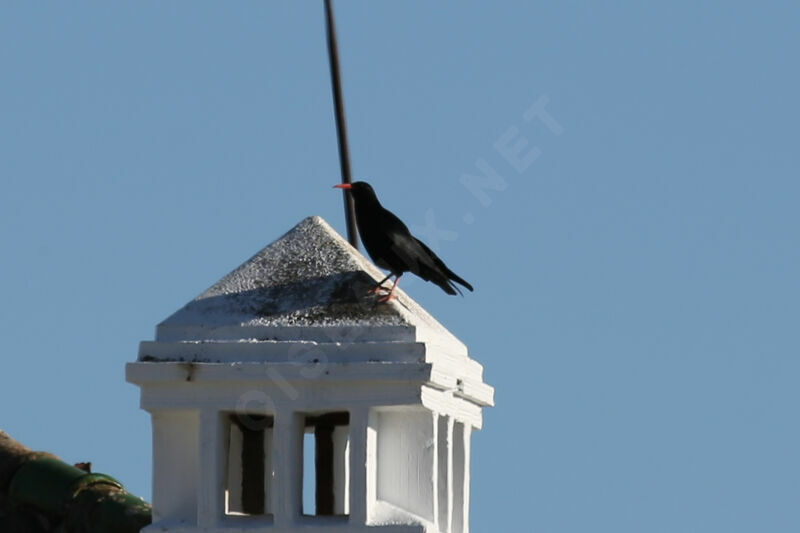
point(392, 247)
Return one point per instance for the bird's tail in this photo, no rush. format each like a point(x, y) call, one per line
point(448, 286)
point(452, 275)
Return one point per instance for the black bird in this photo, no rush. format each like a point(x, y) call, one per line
point(392, 247)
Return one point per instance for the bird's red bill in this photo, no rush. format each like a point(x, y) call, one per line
point(343, 186)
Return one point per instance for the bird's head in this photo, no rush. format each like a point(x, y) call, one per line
point(361, 190)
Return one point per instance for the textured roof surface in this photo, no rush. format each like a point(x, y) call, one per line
point(307, 285)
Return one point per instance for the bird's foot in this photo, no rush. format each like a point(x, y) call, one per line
point(388, 297)
point(378, 288)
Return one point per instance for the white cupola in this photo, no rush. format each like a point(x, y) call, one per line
point(290, 351)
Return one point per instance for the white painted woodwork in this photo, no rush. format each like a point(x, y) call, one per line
point(292, 333)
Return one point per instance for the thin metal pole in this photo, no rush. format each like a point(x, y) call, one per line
point(341, 123)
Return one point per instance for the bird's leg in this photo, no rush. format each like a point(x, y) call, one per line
point(379, 287)
point(391, 295)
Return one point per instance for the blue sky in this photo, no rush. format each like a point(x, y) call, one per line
point(636, 302)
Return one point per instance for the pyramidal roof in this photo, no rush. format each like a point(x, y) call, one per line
point(309, 285)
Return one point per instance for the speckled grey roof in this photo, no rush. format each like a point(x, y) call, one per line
point(308, 285)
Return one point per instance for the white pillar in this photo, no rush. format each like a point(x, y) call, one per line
point(406, 463)
point(460, 478)
point(359, 465)
point(466, 441)
point(211, 468)
point(371, 465)
point(450, 475)
point(175, 465)
point(287, 460)
point(341, 470)
point(442, 471)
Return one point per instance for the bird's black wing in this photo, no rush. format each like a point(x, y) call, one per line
point(391, 246)
point(403, 253)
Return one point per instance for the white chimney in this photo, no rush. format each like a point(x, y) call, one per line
point(289, 350)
